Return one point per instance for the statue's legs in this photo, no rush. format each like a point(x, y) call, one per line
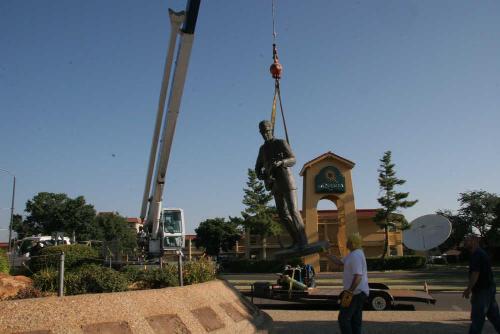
point(284, 216)
point(286, 204)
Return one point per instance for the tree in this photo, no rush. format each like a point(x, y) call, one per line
point(493, 235)
point(217, 234)
point(258, 215)
point(113, 229)
point(477, 207)
point(459, 229)
point(50, 212)
point(391, 200)
point(22, 230)
point(479, 212)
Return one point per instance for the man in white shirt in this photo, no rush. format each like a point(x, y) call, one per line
point(355, 280)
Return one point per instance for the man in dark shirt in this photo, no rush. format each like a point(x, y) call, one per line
point(482, 286)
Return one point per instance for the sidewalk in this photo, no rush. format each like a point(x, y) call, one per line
point(390, 322)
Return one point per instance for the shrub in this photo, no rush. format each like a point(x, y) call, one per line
point(27, 292)
point(22, 271)
point(46, 280)
point(199, 271)
point(440, 260)
point(159, 277)
point(4, 262)
point(396, 262)
point(132, 273)
point(92, 278)
point(259, 266)
point(74, 256)
point(89, 278)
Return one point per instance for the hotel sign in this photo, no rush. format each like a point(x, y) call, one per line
point(330, 180)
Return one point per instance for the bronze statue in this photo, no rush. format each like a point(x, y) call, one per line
point(273, 166)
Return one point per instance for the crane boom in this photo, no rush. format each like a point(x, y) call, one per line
point(176, 20)
point(186, 37)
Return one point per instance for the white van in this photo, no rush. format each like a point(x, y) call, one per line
point(24, 246)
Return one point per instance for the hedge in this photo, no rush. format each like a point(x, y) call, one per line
point(88, 278)
point(195, 271)
point(257, 266)
point(74, 256)
point(396, 262)
point(94, 279)
point(45, 280)
point(157, 278)
point(132, 273)
point(273, 266)
point(4, 262)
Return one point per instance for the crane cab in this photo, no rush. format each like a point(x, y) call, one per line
point(173, 227)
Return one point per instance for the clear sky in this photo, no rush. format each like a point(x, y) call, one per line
point(80, 80)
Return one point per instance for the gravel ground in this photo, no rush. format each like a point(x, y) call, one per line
point(198, 308)
point(312, 322)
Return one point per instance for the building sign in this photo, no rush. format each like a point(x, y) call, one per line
point(329, 180)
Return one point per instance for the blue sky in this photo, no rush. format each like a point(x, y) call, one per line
point(79, 85)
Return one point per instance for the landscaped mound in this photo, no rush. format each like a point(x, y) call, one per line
point(11, 285)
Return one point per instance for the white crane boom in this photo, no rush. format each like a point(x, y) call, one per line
point(151, 213)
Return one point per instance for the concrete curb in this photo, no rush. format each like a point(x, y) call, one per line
point(208, 307)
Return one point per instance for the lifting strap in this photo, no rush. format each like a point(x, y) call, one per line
point(276, 69)
point(277, 97)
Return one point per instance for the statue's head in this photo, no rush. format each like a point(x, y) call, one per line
point(266, 130)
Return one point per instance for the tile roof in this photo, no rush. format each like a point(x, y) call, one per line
point(328, 154)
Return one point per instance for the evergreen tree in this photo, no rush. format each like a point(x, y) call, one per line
point(391, 200)
point(258, 215)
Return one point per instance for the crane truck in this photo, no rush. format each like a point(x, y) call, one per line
point(159, 237)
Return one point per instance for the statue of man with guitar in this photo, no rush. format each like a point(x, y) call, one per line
point(273, 166)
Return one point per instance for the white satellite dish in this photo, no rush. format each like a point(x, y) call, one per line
point(427, 232)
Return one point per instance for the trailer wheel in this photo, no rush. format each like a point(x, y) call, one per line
point(379, 302)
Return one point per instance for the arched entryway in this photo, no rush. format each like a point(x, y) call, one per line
point(328, 177)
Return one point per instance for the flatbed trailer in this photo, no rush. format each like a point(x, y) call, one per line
point(381, 296)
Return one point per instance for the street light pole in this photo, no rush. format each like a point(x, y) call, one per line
point(11, 207)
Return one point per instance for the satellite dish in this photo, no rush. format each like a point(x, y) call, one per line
point(427, 232)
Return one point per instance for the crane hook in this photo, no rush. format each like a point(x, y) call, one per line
point(275, 67)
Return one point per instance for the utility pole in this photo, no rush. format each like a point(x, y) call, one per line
point(11, 207)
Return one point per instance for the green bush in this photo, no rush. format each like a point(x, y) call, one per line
point(259, 266)
point(92, 278)
point(21, 271)
point(159, 277)
point(198, 271)
point(88, 278)
point(74, 256)
point(132, 273)
point(396, 263)
point(45, 280)
point(4, 262)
